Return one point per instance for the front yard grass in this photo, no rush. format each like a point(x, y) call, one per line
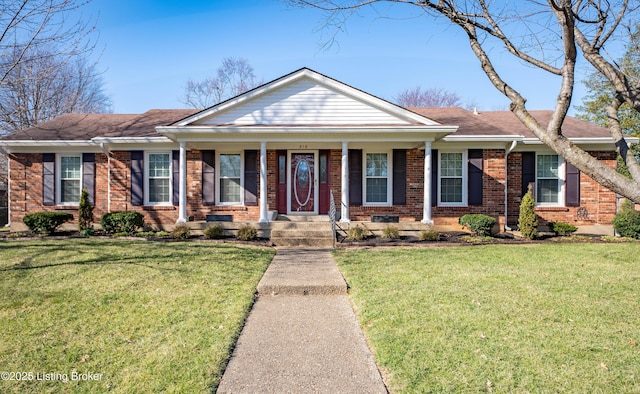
point(148, 316)
point(501, 318)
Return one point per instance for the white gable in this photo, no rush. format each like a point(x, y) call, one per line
point(306, 98)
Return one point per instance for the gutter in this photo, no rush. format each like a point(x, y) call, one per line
point(506, 183)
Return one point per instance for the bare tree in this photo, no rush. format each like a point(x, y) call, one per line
point(235, 76)
point(28, 24)
point(550, 36)
point(45, 85)
point(429, 97)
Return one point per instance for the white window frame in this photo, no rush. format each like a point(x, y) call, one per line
point(561, 181)
point(147, 202)
point(464, 177)
point(219, 173)
point(59, 179)
point(389, 177)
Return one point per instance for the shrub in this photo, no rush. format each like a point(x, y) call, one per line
point(160, 234)
point(121, 222)
point(85, 211)
point(46, 222)
point(527, 221)
point(562, 228)
point(214, 231)
point(627, 223)
point(181, 231)
point(247, 233)
point(391, 232)
point(357, 233)
point(429, 235)
point(479, 224)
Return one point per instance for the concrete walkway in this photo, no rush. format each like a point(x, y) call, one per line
point(302, 335)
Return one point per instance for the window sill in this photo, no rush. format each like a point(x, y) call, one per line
point(65, 207)
point(551, 209)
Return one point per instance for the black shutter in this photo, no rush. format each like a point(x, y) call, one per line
point(137, 177)
point(48, 179)
point(399, 177)
point(250, 177)
point(572, 191)
point(89, 175)
point(475, 176)
point(208, 177)
point(528, 171)
point(175, 179)
point(434, 177)
point(355, 177)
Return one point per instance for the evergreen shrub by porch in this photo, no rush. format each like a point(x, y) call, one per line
point(214, 231)
point(429, 235)
point(181, 231)
point(121, 222)
point(627, 223)
point(85, 211)
point(527, 221)
point(391, 232)
point(247, 233)
point(562, 228)
point(479, 224)
point(46, 222)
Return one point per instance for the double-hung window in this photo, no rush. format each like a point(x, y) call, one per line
point(230, 179)
point(452, 185)
point(549, 180)
point(158, 179)
point(377, 179)
point(70, 180)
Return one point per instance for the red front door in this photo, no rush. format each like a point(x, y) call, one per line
point(302, 183)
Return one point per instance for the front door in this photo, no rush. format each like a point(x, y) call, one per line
point(302, 190)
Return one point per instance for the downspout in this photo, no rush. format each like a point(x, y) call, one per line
point(6, 153)
point(506, 183)
point(106, 152)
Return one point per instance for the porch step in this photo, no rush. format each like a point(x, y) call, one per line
point(302, 218)
point(304, 233)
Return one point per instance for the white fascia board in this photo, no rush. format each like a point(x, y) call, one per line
point(130, 140)
point(38, 143)
point(177, 130)
point(578, 141)
point(482, 138)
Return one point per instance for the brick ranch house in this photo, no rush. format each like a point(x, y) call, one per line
point(288, 145)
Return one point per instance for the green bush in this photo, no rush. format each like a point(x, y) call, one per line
point(627, 205)
point(357, 233)
point(214, 231)
point(429, 235)
point(528, 221)
point(85, 211)
point(181, 231)
point(391, 232)
point(479, 224)
point(627, 223)
point(562, 228)
point(121, 222)
point(46, 222)
point(247, 233)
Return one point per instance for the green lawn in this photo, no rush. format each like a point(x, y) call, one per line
point(148, 316)
point(540, 318)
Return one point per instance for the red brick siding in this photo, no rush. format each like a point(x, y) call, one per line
point(598, 204)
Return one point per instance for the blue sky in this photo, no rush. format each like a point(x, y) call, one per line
point(151, 48)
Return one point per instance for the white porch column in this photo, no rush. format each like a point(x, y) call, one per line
point(426, 209)
point(344, 210)
point(263, 183)
point(182, 205)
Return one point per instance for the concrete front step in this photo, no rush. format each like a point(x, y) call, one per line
point(312, 233)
